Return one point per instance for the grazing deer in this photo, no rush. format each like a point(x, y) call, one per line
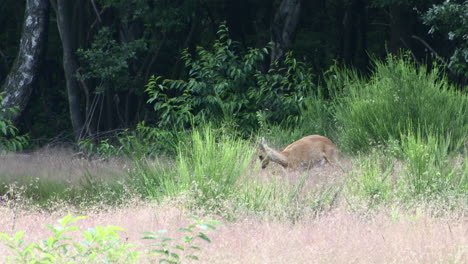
point(306, 152)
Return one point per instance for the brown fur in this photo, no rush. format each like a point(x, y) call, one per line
point(306, 152)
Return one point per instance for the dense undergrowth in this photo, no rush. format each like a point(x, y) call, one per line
point(403, 116)
point(403, 129)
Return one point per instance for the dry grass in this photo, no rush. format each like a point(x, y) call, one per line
point(56, 165)
point(335, 237)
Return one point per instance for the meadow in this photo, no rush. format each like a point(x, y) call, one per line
point(397, 195)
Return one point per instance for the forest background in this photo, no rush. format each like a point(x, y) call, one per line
point(154, 109)
point(87, 74)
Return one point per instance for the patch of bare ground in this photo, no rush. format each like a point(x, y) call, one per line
point(338, 236)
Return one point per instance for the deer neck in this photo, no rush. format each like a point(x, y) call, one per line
point(276, 156)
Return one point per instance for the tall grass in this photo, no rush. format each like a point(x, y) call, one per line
point(207, 167)
point(426, 171)
point(214, 172)
point(212, 164)
point(400, 93)
point(430, 169)
point(371, 179)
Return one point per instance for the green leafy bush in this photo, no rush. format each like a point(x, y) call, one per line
point(226, 85)
point(104, 245)
point(398, 98)
point(99, 245)
point(170, 250)
point(9, 138)
point(451, 19)
point(144, 141)
point(107, 61)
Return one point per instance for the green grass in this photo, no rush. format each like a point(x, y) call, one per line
point(207, 167)
point(430, 169)
point(399, 98)
point(403, 115)
point(416, 169)
point(371, 178)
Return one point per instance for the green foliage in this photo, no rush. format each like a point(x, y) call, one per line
point(224, 86)
point(99, 245)
point(207, 167)
point(144, 141)
point(107, 61)
point(429, 170)
point(451, 18)
point(398, 98)
point(283, 91)
point(174, 251)
point(9, 138)
point(210, 165)
point(371, 177)
point(104, 245)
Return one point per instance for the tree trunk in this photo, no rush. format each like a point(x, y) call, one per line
point(64, 16)
point(401, 24)
point(284, 27)
point(353, 42)
point(20, 81)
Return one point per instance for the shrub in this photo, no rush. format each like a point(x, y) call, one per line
point(225, 84)
point(377, 111)
point(104, 245)
point(99, 245)
point(144, 141)
point(9, 138)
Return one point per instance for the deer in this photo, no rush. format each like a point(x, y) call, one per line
point(304, 153)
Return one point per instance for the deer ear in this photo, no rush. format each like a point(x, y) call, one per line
point(263, 143)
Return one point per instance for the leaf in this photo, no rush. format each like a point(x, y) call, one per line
point(214, 222)
point(5, 237)
point(193, 217)
point(17, 237)
point(149, 237)
point(178, 247)
point(165, 239)
point(162, 231)
point(204, 237)
point(185, 229)
point(192, 257)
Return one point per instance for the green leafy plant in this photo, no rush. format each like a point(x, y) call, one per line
point(451, 19)
point(104, 149)
point(99, 245)
point(107, 61)
point(144, 141)
point(9, 138)
point(170, 250)
point(104, 245)
point(227, 85)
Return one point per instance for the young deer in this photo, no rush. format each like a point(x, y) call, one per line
point(306, 152)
